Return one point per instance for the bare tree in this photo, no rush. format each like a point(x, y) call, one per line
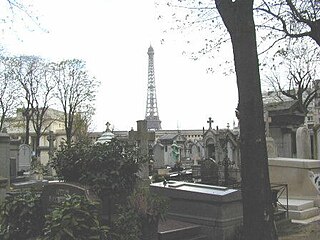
point(258, 220)
point(27, 71)
point(9, 99)
point(17, 13)
point(293, 75)
point(76, 91)
point(82, 122)
point(275, 21)
point(289, 19)
point(42, 99)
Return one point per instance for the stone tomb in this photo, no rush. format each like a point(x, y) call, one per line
point(55, 192)
point(218, 210)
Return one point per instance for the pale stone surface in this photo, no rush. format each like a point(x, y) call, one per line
point(25, 154)
point(298, 174)
point(303, 143)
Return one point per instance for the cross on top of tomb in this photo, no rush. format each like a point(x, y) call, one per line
point(108, 126)
point(210, 121)
point(51, 138)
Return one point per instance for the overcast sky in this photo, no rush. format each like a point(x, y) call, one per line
point(113, 37)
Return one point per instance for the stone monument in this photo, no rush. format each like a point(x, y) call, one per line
point(25, 155)
point(303, 143)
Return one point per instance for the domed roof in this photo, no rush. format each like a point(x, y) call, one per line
point(106, 136)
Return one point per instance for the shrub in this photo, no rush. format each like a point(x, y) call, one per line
point(68, 161)
point(21, 216)
point(148, 205)
point(109, 169)
point(126, 225)
point(74, 219)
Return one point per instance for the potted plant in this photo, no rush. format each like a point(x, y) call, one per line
point(150, 208)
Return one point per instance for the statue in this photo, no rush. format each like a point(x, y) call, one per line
point(175, 152)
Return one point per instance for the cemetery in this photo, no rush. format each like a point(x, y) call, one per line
point(255, 179)
point(199, 200)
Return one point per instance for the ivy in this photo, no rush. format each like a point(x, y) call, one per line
point(75, 219)
point(21, 216)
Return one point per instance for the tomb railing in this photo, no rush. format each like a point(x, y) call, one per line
point(280, 190)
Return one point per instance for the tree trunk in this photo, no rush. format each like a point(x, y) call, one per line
point(258, 222)
point(27, 135)
point(38, 136)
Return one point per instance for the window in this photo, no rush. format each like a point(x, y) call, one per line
point(310, 118)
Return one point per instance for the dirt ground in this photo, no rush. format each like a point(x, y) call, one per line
point(294, 231)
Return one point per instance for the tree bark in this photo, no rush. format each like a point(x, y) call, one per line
point(258, 221)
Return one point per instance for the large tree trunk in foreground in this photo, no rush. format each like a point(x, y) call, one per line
point(258, 222)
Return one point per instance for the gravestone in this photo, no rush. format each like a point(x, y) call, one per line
point(303, 143)
point(195, 154)
point(55, 193)
point(25, 154)
point(4, 164)
point(209, 172)
point(158, 156)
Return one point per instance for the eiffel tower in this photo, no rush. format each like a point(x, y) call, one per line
point(152, 115)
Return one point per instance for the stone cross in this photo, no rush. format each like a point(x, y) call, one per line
point(108, 126)
point(142, 137)
point(210, 121)
point(51, 138)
